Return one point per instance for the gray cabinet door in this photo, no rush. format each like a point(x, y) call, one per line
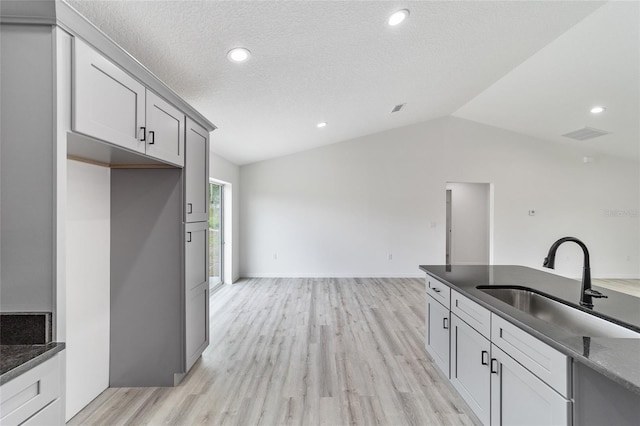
point(196, 173)
point(437, 333)
point(165, 130)
point(108, 103)
point(470, 373)
point(518, 397)
point(196, 291)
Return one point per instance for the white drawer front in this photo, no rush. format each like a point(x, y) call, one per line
point(551, 366)
point(439, 291)
point(472, 313)
point(28, 393)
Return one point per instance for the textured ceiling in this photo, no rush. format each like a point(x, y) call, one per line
point(328, 61)
point(597, 62)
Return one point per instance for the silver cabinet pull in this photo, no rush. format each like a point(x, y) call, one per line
point(190, 207)
point(152, 137)
point(445, 323)
point(485, 361)
point(144, 134)
point(188, 237)
point(494, 362)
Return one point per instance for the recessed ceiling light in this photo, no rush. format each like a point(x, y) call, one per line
point(321, 125)
point(397, 17)
point(239, 54)
point(597, 109)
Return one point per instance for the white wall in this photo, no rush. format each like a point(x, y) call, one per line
point(228, 173)
point(340, 210)
point(470, 223)
point(87, 284)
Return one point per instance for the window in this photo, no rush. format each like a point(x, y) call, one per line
point(216, 238)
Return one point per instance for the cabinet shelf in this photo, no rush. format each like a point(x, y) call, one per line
point(90, 150)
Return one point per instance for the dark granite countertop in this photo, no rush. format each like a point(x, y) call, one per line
point(615, 358)
point(18, 359)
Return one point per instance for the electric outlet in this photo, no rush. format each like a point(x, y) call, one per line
point(389, 256)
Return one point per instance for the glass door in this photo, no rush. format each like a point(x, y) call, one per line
point(216, 239)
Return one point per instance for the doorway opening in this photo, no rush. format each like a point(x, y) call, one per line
point(469, 223)
point(216, 235)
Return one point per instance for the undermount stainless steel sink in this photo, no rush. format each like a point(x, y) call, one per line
point(559, 314)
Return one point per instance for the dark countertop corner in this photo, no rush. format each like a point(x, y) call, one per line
point(25, 342)
point(18, 359)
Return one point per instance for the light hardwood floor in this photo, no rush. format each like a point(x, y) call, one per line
point(302, 352)
point(631, 287)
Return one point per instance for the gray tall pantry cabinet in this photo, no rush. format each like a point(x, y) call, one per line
point(69, 92)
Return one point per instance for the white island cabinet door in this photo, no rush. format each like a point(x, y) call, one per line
point(108, 103)
point(196, 291)
point(165, 130)
point(520, 398)
point(470, 356)
point(437, 330)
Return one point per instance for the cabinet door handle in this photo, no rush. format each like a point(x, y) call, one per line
point(190, 207)
point(144, 134)
point(485, 358)
point(445, 323)
point(152, 137)
point(188, 237)
point(494, 366)
point(437, 290)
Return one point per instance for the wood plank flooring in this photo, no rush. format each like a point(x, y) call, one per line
point(302, 352)
point(631, 287)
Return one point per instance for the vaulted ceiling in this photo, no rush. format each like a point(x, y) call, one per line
point(339, 62)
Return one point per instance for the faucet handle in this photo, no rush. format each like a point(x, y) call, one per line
point(595, 293)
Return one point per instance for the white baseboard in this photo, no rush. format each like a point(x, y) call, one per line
point(332, 275)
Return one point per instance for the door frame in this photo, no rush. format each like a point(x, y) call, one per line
point(448, 219)
point(222, 220)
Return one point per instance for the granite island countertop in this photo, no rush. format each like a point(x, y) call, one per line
point(18, 359)
point(615, 358)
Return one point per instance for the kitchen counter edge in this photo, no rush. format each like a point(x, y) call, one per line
point(25, 357)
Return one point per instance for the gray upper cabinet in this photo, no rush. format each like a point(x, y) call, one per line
point(165, 130)
point(112, 106)
point(196, 173)
point(108, 103)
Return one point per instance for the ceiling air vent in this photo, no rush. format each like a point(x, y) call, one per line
point(586, 133)
point(397, 108)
